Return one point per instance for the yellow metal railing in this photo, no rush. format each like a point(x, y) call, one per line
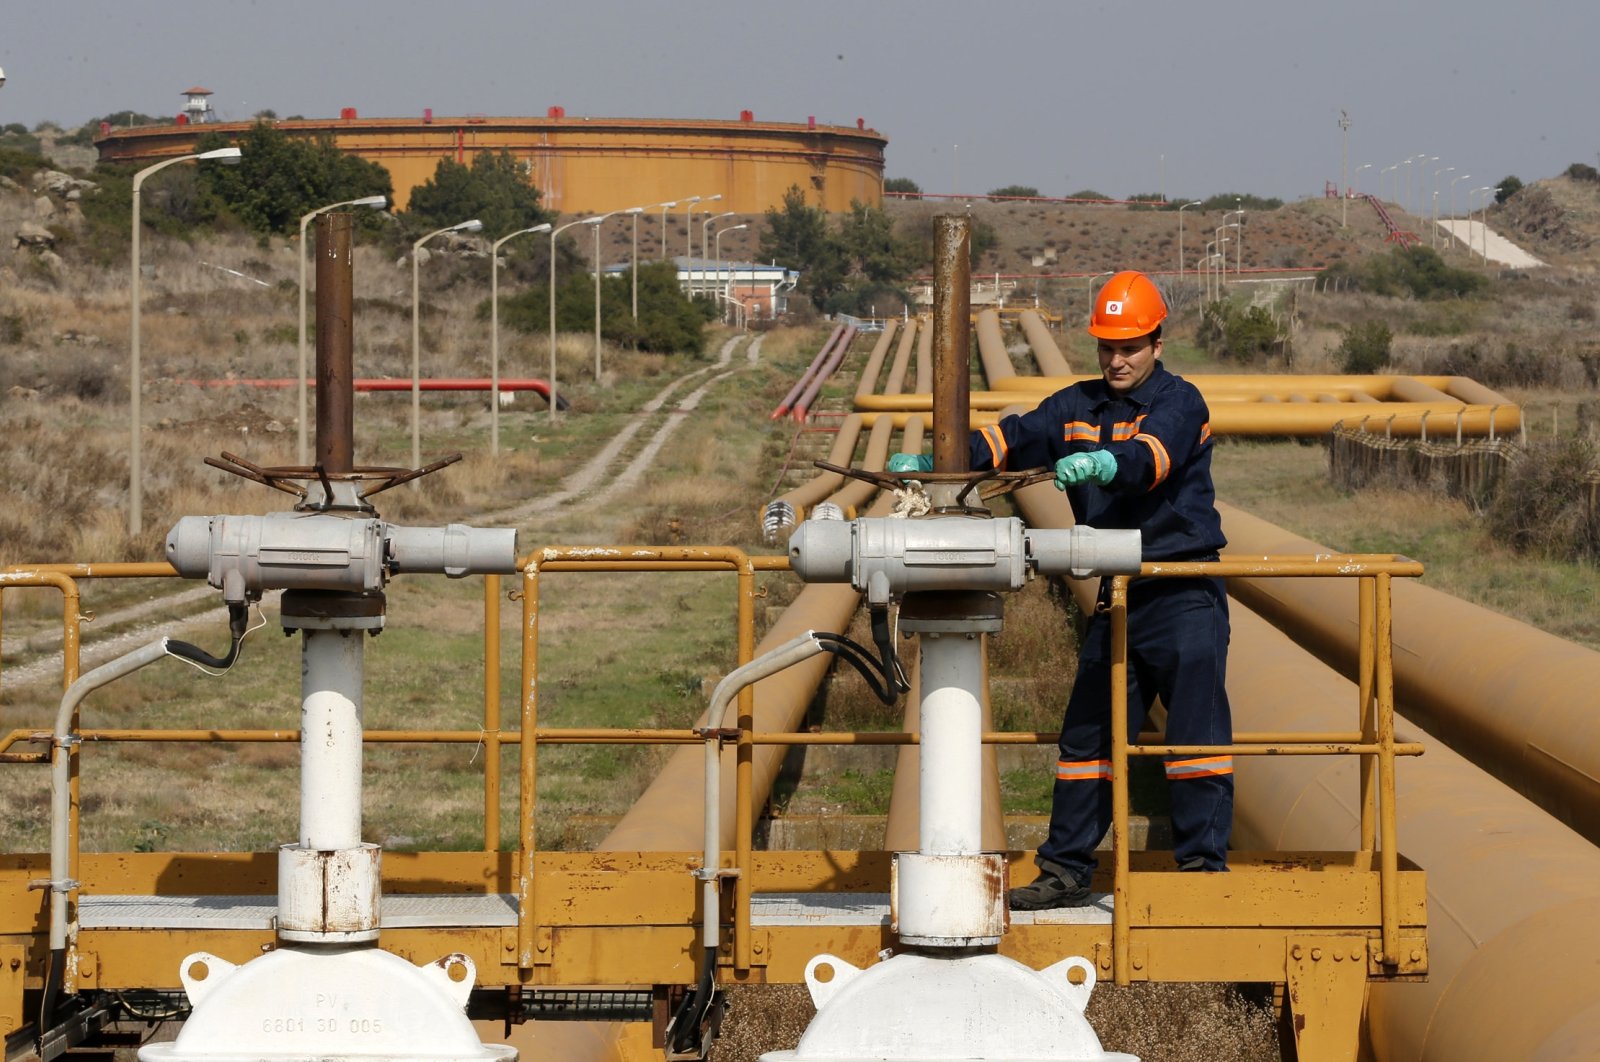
point(1374, 740)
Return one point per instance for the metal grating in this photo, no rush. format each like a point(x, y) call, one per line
point(872, 909)
point(260, 912)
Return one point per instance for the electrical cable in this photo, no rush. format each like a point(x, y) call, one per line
point(239, 629)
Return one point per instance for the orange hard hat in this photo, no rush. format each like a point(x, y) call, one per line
point(1128, 306)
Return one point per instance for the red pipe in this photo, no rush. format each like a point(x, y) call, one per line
point(802, 404)
point(805, 377)
point(466, 383)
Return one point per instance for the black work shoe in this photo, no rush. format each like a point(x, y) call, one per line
point(1052, 889)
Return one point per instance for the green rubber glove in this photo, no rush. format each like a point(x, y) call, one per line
point(1091, 466)
point(910, 463)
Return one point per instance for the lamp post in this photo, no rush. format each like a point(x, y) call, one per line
point(1422, 183)
point(1453, 180)
point(664, 208)
point(377, 202)
point(1403, 190)
point(1344, 161)
point(416, 338)
point(135, 442)
point(1222, 240)
point(1238, 253)
point(1484, 214)
point(635, 212)
point(1381, 174)
point(595, 221)
point(494, 334)
point(1434, 242)
point(1222, 262)
point(552, 381)
point(1207, 260)
point(1357, 178)
point(688, 234)
point(705, 224)
point(1181, 209)
point(717, 247)
point(688, 222)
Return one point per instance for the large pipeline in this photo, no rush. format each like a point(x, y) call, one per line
point(1513, 942)
point(808, 395)
point(1051, 361)
point(447, 383)
point(1515, 700)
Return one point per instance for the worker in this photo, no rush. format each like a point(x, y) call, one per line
point(1131, 450)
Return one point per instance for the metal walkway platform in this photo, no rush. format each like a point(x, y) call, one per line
point(260, 912)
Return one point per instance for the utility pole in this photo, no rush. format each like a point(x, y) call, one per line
point(1344, 194)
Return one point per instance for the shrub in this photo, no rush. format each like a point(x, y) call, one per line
point(1582, 171)
point(1015, 191)
point(1416, 271)
point(1538, 509)
point(1509, 186)
point(903, 186)
point(1365, 348)
point(1248, 334)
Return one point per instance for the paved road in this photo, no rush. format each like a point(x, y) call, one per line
point(1491, 245)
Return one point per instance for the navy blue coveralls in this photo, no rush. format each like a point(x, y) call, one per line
point(1160, 434)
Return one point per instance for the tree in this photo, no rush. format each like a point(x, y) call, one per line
point(797, 236)
point(495, 189)
point(1508, 186)
point(280, 178)
point(1015, 191)
point(903, 186)
point(669, 321)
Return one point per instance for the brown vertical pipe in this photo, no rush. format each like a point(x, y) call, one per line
point(952, 325)
point(335, 368)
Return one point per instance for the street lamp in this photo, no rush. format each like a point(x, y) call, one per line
point(494, 334)
point(688, 226)
point(595, 221)
point(1181, 209)
point(703, 226)
point(1484, 213)
point(1238, 258)
point(716, 245)
point(229, 155)
point(1434, 242)
point(635, 212)
point(416, 338)
point(1381, 174)
point(1209, 255)
point(1357, 179)
point(1217, 232)
point(552, 381)
point(1422, 181)
point(377, 202)
point(664, 207)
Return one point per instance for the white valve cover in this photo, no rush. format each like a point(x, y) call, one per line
point(361, 1003)
point(921, 1008)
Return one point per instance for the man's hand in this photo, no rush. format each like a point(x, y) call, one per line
point(1091, 466)
point(910, 463)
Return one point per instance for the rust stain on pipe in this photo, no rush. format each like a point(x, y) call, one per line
point(335, 331)
point(952, 312)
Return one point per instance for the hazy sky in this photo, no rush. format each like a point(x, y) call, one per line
point(1186, 98)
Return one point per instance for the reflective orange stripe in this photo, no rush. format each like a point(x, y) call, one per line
point(997, 445)
point(1205, 433)
point(1081, 431)
point(1083, 770)
point(1125, 430)
point(1163, 460)
point(1204, 767)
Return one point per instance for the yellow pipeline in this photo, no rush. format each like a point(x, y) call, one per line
point(821, 485)
point(874, 365)
point(1519, 888)
point(1511, 959)
point(1515, 700)
point(1257, 415)
point(1051, 361)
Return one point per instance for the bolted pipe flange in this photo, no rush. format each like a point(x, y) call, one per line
point(952, 612)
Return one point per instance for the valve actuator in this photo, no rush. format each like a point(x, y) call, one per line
point(888, 557)
point(245, 555)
